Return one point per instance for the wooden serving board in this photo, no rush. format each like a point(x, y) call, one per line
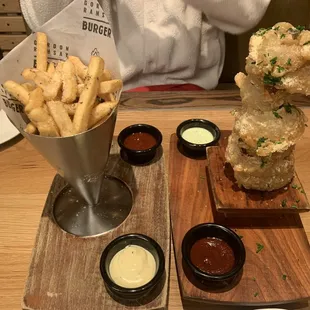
point(64, 272)
point(232, 200)
point(279, 273)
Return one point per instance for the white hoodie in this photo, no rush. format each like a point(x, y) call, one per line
point(166, 41)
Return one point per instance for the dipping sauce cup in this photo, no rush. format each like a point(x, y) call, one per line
point(196, 134)
point(216, 238)
point(139, 143)
point(118, 245)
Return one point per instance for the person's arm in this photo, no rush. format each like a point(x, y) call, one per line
point(37, 12)
point(233, 16)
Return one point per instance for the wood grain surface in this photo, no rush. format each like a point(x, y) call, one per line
point(64, 271)
point(280, 272)
point(9, 41)
point(25, 180)
point(232, 200)
point(9, 6)
point(12, 24)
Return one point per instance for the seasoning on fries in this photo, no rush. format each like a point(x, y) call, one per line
point(67, 98)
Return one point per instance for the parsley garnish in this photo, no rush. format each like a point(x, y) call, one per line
point(259, 247)
point(256, 294)
point(240, 236)
point(284, 276)
point(254, 279)
point(260, 141)
point(282, 36)
point(276, 114)
point(264, 162)
point(303, 192)
point(273, 60)
point(289, 62)
point(276, 28)
point(271, 80)
point(297, 200)
point(294, 207)
point(288, 107)
point(280, 69)
point(308, 42)
point(278, 142)
point(295, 186)
point(262, 31)
point(283, 203)
point(300, 28)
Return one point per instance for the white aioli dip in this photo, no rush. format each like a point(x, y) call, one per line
point(132, 267)
point(197, 135)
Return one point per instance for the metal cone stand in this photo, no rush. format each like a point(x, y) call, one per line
point(93, 203)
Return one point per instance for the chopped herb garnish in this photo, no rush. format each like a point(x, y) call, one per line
point(282, 36)
point(284, 276)
point(283, 203)
point(260, 141)
point(280, 69)
point(303, 192)
point(273, 60)
point(289, 62)
point(297, 200)
point(276, 114)
point(256, 294)
point(294, 207)
point(278, 142)
point(253, 62)
point(300, 28)
point(262, 31)
point(259, 247)
point(254, 279)
point(240, 236)
point(308, 42)
point(271, 80)
point(288, 107)
point(264, 162)
point(294, 186)
point(276, 28)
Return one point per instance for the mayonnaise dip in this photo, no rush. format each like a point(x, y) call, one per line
point(197, 135)
point(132, 267)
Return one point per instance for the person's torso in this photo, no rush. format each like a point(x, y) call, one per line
point(165, 41)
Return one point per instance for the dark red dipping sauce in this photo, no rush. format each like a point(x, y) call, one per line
point(139, 141)
point(213, 256)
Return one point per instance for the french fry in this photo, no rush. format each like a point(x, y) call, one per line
point(101, 111)
point(51, 68)
point(105, 76)
point(17, 91)
point(61, 117)
point(40, 78)
point(89, 94)
point(108, 97)
point(41, 51)
point(69, 82)
point(80, 88)
point(109, 87)
point(81, 69)
point(71, 108)
point(44, 122)
point(79, 80)
point(51, 90)
point(36, 100)
point(31, 128)
point(28, 86)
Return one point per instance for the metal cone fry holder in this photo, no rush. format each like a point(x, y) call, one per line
point(93, 203)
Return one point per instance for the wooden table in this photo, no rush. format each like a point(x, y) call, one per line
point(25, 178)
